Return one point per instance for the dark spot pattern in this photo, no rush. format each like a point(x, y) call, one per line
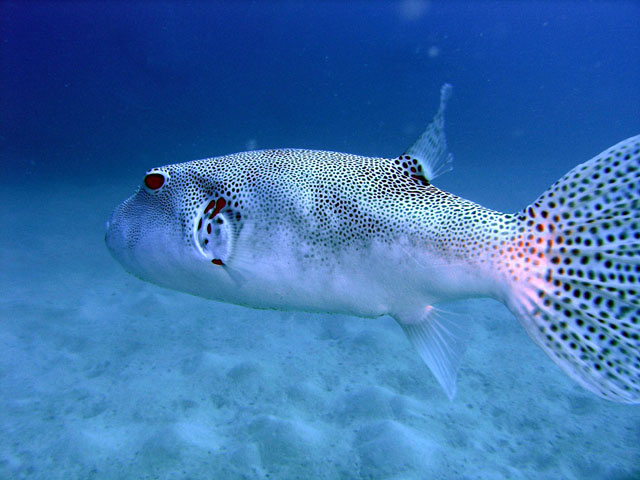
point(582, 238)
point(569, 263)
point(411, 168)
point(331, 201)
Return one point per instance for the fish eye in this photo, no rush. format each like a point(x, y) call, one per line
point(154, 181)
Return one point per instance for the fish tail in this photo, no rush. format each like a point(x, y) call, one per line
point(574, 270)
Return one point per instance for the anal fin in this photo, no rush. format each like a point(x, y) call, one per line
point(437, 336)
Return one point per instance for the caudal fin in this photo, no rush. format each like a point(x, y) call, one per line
point(575, 272)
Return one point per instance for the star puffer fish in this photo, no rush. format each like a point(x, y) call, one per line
point(323, 231)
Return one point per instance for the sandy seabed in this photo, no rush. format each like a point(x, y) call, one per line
point(103, 376)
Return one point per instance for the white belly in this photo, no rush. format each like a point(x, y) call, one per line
point(368, 282)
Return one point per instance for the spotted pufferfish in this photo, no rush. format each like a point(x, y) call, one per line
point(320, 231)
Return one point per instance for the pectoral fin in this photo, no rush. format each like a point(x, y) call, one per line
point(216, 231)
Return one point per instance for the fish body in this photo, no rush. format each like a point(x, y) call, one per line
point(299, 242)
point(320, 231)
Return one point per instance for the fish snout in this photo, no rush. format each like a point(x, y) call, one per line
point(118, 236)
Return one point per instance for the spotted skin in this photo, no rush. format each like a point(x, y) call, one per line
point(332, 232)
point(578, 264)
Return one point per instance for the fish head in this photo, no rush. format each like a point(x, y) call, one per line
point(162, 233)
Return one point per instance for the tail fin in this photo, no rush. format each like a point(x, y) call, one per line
point(575, 272)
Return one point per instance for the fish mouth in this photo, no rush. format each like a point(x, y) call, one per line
point(110, 227)
point(112, 236)
point(119, 236)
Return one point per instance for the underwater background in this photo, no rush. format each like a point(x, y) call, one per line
point(103, 376)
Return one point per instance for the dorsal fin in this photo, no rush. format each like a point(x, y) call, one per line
point(428, 155)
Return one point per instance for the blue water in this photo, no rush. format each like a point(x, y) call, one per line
point(105, 376)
